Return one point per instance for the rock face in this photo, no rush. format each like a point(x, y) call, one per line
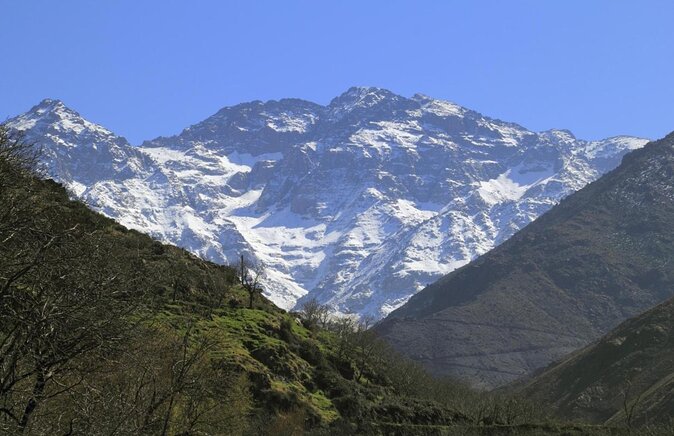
point(360, 203)
point(603, 255)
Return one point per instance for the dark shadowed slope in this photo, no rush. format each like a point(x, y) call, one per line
point(628, 373)
point(599, 257)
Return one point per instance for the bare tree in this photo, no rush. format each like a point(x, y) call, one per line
point(314, 314)
point(53, 313)
point(249, 276)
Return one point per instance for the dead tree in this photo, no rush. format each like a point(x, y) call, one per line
point(249, 277)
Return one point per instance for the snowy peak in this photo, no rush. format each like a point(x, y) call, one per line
point(612, 146)
point(53, 118)
point(75, 151)
point(49, 105)
point(361, 104)
point(440, 108)
point(52, 106)
point(361, 97)
point(47, 112)
point(284, 116)
point(359, 203)
point(254, 128)
point(559, 134)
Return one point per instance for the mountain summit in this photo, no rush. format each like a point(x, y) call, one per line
point(360, 203)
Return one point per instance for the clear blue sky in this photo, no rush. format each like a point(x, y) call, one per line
point(147, 68)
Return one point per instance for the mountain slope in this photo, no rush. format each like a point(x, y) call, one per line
point(630, 369)
point(81, 152)
point(599, 257)
point(360, 203)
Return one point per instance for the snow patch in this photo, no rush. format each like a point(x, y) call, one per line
point(512, 184)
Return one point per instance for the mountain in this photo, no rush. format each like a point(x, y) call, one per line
point(628, 372)
point(76, 150)
point(599, 257)
point(359, 203)
point(107, 331)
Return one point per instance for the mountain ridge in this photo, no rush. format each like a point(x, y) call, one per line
point(317, 192)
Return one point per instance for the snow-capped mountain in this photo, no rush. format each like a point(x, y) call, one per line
point(359, 203)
